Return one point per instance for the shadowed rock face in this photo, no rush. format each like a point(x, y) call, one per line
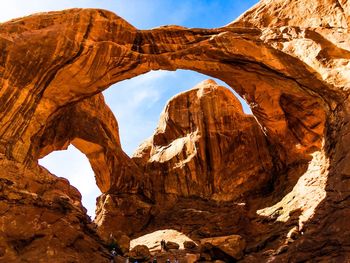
point(290, 65)
point(42, 219)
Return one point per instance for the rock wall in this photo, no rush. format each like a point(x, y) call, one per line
point(205, 146)
point(42, 219)
point(288, 59)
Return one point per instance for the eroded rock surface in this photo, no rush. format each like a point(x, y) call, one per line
point(205, 146)
point(227, 248)
point(288, 59)
point(42, 219)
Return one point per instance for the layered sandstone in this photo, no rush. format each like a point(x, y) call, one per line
point(205, 146)
point(42, 219)
point(82, 69)
point(288, 59)
point(92, 128)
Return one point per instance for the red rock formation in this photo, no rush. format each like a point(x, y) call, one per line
point(231, 248)
point(289, 60)
point(83, 70)
point(42, 219)
point(205, 146)
point(311, 14)
point(92, 128)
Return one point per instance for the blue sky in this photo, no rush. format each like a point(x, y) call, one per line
point(136, 103)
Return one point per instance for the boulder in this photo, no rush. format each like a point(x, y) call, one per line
point(190, 245)
point(172, 245)
point(223, 248)
point(140, 253)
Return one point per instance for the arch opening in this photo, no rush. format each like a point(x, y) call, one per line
point(165, 80)
point(138, 102)
point(74, 166)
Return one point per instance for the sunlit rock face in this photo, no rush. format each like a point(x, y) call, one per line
point(288, 59)
point(205, 146)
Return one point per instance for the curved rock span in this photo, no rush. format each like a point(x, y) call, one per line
point(203, 147)
point(278, 179)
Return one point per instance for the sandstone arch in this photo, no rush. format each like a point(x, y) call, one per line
point(299, 97)
point(92, 128)
point(93, 58)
